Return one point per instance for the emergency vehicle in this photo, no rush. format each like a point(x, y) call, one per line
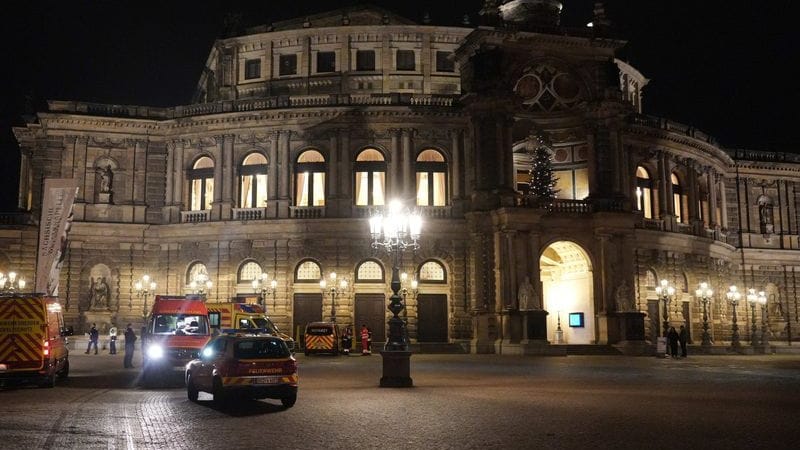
point(243, 316)
point(174, 333)
point(322, 337)
point(33, 344)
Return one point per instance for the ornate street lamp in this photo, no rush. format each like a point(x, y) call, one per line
point(665, 292)
point(404, 290)
point(752, 299)
point(704, 293)
point(10, 283)
point(333, 290)
point(762, 300)
point(144, 287)
point(397, 231)
point(200, 284)
point(734, 296)
point(264, 289)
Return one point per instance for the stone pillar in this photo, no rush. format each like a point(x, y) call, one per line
point(455, 166)
point(711, 187)
point(286, 172)
point(272, 176)
point(346, 166)
point(228, 178)
point(407, 185)
point(724, 203)
point(394, 164)
point(219, 163)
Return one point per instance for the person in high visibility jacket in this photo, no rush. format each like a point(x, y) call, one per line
point(365, 350)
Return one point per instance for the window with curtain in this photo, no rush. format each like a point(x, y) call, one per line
point(201, 179)
point(431, 178)
point(644, 192)
point(253, 181)
point(309, 174)
point(677, 198)
point(370, 182)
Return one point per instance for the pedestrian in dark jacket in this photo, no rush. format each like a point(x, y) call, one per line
point(683, 338)
point(94, 336)
point(130, 341)
point(672, 339)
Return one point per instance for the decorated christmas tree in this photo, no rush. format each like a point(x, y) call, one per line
point(542, 188)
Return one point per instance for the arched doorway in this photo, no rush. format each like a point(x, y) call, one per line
point(567, 280)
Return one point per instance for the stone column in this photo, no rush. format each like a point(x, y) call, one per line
point(346, 165)
point(286, 172)
point(168, 200)
point(455, 166)
point(333, 205)
point(219, 164)
point(272, 176)
point(724, 203)
point(394, 164)
point(711, 187)
point(407, 183)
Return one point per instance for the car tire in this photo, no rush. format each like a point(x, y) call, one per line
point(220, 397)
point(191, 389)
point(50, 381)
point(289, 400)
point(64, 372)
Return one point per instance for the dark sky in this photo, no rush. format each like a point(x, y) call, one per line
point(722, 66)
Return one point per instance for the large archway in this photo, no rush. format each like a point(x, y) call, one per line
point(567, 280)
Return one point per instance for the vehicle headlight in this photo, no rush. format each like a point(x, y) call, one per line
point(155, 351)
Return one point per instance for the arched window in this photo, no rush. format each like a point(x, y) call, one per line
point(197, 272)
point(431, 179)
point(765, 215)
point(370, 185)
point(432, 272)
point(369, 271)
point(650, 280)
point(309, 172)
point(249, 271)
point(201, 177)
point(677, 198)
point(253, 181)
point(644, 192)
point(308, 271)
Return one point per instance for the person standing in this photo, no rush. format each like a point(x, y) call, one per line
point(683, 338)
point(130, 341)
point(112, 340)
point(94, 336)
point(347, 340)
point(365, 350)
point(672, 338)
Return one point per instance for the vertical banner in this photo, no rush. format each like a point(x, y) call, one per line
point(57, 199)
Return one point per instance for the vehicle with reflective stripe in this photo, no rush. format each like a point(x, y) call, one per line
point(33, 343)
point(322, 337)
point(244, 365)
point(244, 316)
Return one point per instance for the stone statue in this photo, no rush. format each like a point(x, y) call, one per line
point(527, 300)
point(624, 298)
point(106, 180)
point(100, 292)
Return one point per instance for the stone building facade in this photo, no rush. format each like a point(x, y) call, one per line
point(299, 130)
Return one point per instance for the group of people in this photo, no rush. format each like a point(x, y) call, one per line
point(130, 340)
point(677, 337)
point(366, 340)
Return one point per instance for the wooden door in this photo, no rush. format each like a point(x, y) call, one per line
point(371, 310)
point(432, 318)
point(307, 308)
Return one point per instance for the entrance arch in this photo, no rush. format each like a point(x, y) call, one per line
point(567, 289)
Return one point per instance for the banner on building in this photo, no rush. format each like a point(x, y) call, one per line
point(57, 200)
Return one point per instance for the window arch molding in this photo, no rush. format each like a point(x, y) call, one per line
point(679, 203)
point(370, 271)
point(310, 171)
point(195, 269)
point(200, 175)
point(369, 172)
point(253, 169)
point(645, 190)
point(308, 270)
point(432, 271)
point(248, 270)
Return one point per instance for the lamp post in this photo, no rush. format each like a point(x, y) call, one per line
point(734, 296)
point(264, 289)
point(762, 300)
point(397, 231)
point(704, 293)
point(665, 292)
point(333, 290)
point(404, 292)
point(144, 287)
point(10, 283)
point(752, 299)
point(200, 284)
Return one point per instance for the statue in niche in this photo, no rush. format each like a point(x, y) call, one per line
point(99, 291)
point(624, 298)
point(106, 180)
point(527, 300)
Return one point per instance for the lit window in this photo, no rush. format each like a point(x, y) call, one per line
point(308, 271)
point(253, 181)
point(369, 271)
point(250, 271)
point(644, 192)
point(432, 272)
point(370, 183)
point(310, 179)
point(201, 178)
point(431, 179)
point(677, 199)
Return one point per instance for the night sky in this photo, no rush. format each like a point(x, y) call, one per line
point(722, 66)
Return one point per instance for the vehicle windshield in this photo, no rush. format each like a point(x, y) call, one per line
point(180, 324)
point(260, 348)
point(263, 322)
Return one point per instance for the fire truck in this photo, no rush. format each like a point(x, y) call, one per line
point(174, 333)
point(33, 343)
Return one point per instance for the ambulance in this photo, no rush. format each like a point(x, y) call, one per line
point(244, 316)
point(175, 331)
point(33, 343)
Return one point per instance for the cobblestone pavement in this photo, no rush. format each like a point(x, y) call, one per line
point(458, 401)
